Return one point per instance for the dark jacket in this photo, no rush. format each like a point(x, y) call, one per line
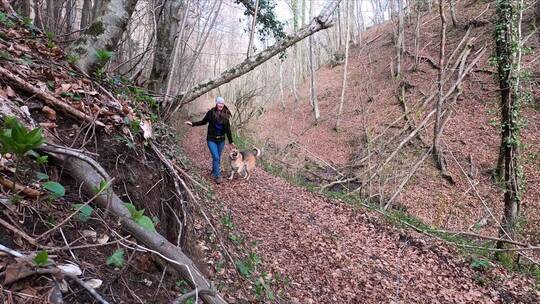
point(216, 131)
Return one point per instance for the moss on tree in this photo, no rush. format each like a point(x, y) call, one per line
point(95, 29)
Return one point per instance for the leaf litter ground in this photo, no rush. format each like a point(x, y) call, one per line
point(332, 252)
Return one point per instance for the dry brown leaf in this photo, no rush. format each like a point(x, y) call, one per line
point(16, 271)
point(48, 125)
point(146, 126)
point(23, 48)
point(49, 113)
point(10, 92)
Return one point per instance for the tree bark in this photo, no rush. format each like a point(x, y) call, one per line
point(313, 90)
point(294, 7)
point(103, 34)
point(281, 85)
point(453, 12)
point(23, 6)
point(177, 51)
point(507, 40)
point(96, 8)
point(86, 14)
point(400, 38)
point(253, 26)
point(344, 83)
point(38, 20)
point(167, 28)
point(417, 39)
point(318, 23)
point(437, 130)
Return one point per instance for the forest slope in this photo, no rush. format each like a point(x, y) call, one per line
point(471, 139)
point(319, 250)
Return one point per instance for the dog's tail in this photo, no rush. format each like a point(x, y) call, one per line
point(257, 152)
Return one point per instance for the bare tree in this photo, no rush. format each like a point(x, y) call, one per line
point(313, 90)
point(453, 12)
point(176, 53)
point(417, 35)
point(322, 21)
point(344, 82)
point(508, 52)
point(23, 6)
point(400, 38)
point(86, 14)
point(168, 20)
point(294, 8)
point(437, 151)
point(253, 26)
point(281, 85)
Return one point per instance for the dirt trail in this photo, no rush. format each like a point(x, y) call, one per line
point(334, 253)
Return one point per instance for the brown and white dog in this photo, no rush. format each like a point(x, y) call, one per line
point(243, 162)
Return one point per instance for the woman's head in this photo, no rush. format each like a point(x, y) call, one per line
point(220, 103)
point(222, 114)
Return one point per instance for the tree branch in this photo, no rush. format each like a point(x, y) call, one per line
point(318, 23)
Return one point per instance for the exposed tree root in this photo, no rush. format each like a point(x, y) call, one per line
point(85, 173)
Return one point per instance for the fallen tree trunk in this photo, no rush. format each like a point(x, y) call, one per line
point(90, 178)
point(318, 23)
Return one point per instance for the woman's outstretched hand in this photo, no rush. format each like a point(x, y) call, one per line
point(189, 123)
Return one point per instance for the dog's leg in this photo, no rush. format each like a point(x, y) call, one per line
point(248, 175)
point(232, 174)
point(245, 169)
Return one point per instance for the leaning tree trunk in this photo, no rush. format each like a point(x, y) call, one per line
point(318, 23)
point(507, 40)
point(103, 34)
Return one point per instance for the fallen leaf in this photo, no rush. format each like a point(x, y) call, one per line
point(49, 113)
point(23, 48)
point(89, 234)
point(146, 126)
point(71, 269)
point(64, 287)
point(10, 92)
point(103, 239)
point(91, 93)
point(16, 271)
point(94, 283)
point(48, 125)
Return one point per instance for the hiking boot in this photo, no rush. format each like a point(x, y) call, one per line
point(218, 180)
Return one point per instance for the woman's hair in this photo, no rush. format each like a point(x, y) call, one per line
point(221, 116)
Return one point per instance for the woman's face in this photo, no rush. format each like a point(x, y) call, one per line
point(220, 106)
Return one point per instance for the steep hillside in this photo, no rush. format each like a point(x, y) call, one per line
point(93, 195)
point(471, 138)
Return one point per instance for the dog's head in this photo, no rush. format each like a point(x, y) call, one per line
point(235, 154)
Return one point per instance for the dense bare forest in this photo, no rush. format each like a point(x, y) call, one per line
point(385, 151)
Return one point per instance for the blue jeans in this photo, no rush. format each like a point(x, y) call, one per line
point(215, 149)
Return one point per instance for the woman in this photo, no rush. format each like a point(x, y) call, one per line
point(218, 126)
